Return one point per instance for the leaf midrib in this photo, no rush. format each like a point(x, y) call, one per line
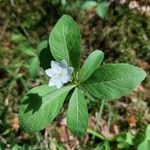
point(66, 48)
point(104, 81)
point(76, 95)
point(49, 101)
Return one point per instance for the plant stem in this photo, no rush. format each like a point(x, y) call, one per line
point(90, 97)
point(100, 113)
point(94, 133)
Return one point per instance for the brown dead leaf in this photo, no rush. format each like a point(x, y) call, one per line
point(65, 136)
point(132, 120)
point(15, 123)
point(105, 130)
point(91, 13)
point(144, 65)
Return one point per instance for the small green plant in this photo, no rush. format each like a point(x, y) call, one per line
point(70, 80)
point(101, 7)
point(145, 144)
point(124, 140)
point(33, 64)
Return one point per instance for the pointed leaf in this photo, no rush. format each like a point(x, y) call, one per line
point(89, 5)
point(77, 114)
point(65, 41)
point(17, 37)
point(145, 145)
point(114, 80)
point(102, 9)
point(26, 48)
point(40, 106)
point(90, 65)
point(148, 132)
point(34, 66)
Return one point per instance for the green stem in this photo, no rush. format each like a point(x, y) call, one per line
point(94, 133)
point(100, 113)
point(24, 84)
point(90, 96)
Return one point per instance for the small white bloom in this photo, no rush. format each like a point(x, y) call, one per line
point(122, 2)
point(133, 5)
point(143, 9)
point(59, 73)
point(148, 11)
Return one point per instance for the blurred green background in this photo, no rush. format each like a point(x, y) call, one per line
point(123, 34)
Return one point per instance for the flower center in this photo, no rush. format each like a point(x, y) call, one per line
point(60, 74)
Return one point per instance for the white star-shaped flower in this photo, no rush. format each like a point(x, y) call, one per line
point(59, 73)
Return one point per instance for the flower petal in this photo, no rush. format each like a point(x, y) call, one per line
point(54, 64)
point(65, 79)
point(51, 83)
point(63, 64)
point(60, 73)
point(70, 70)
point(50, 72)
point(58, 84)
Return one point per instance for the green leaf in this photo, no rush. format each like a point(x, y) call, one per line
point(2, 146)
point(145, 145)
point(45, 55)
point(15, 147)
point(102, 9)
point(77, 114)
point(89, 5)
point(107, 146)
point(17, 37)
point(148, 132)
point(123, 145)
point(65, 41)
point(90, 65)
point(34, 66)
point(138, 138)
point(26, 48)
point(114, 80)
point(129, 138)
point(40, 106)
point(42, 45)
